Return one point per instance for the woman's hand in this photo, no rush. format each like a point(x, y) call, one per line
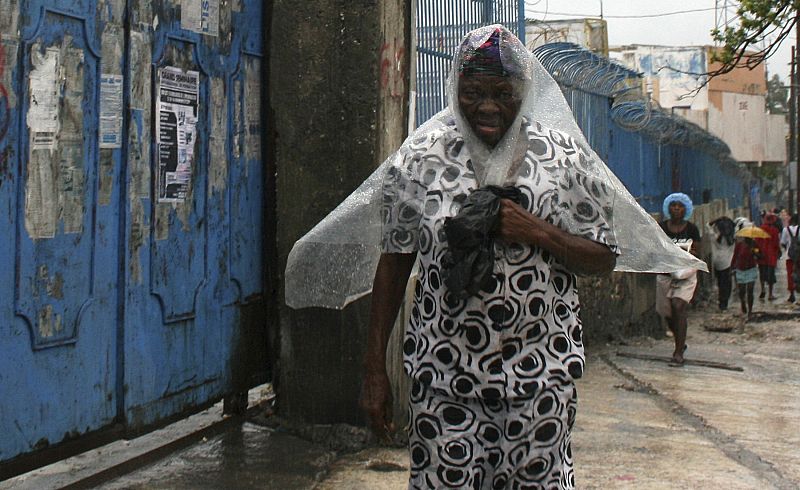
point(376, 402)
point(516, 224)
point(579, 255)
point(388, 290)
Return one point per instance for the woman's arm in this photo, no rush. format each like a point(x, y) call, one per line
point(578, 254)
point(388, 291)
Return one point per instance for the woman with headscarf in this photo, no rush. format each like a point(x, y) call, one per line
point(722, 232)
point(675, 291)
point(745, 267)
point(479, 364)
point(493, 398)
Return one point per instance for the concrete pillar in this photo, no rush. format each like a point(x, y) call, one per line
point(339, 97)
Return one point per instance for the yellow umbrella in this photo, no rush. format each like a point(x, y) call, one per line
point(752, 232)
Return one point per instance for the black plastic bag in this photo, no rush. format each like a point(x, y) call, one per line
point(469, 260)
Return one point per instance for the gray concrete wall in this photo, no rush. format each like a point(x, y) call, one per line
point(617, 306)
point(338, 77)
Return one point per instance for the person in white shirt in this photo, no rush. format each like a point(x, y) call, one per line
point(790, 233)
point(721, 231)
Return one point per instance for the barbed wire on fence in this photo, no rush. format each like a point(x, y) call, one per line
point(575, 67)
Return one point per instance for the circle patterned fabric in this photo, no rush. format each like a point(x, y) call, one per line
point(481, 443)
point(522, 333)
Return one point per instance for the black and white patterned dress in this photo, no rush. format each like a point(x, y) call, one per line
point(504, 360)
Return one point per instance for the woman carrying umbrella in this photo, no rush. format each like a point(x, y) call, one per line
point(745, 263)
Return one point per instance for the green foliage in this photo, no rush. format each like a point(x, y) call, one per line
point(768, 172)
point(777, 96)
point(762, 25)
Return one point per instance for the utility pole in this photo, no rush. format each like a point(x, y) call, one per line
point(795, 68)
point(792, 150)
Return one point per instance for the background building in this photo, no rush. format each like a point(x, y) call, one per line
point(730, 106)
point(592, 34)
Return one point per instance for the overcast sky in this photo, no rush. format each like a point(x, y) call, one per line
point(683, 29)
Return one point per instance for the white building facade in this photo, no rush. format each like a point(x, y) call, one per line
point(590, 33)
point(730, 106)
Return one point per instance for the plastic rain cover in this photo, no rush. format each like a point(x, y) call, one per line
point(334, 263)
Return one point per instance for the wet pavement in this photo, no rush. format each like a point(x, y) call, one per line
point(245, 457)
point(641, 424)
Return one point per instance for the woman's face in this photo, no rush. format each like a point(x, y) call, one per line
point(677, 210)
point(489, 105)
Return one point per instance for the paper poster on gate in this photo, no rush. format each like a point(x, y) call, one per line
point(110, 111)
point(200, 16)
point(44, 92)
point(176, 131)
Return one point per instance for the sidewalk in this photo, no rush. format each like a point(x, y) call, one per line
point(641, 424)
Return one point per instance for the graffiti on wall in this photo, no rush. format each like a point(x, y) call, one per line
point(393, 68)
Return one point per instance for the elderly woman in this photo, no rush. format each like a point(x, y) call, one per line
point(493, 397)
point(494, 341)
point(674, 291)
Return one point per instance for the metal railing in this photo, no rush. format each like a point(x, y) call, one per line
point(441, 25)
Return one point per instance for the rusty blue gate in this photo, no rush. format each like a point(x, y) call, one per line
point(440, 28)
point(132, 202)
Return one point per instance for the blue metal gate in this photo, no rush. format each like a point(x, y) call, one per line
point(131, 213)
point(440, 28)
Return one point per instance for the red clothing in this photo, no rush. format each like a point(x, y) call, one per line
point(770, 247)
point(742, 257)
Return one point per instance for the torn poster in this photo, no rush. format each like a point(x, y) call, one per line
point(176, 131)
point(44, 93)
point(110, 111)
point(200, 16)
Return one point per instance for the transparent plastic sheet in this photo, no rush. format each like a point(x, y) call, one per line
point(334, 263)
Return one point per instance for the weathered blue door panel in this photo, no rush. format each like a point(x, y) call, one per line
point(193, 264)
point(58, 225)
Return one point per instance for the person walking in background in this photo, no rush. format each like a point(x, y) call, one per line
point(745, 270)
point(722, 244)
point(790, 242)
point(784, 218)
point(779, 224)
point(675, 291)
point(769, 253)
